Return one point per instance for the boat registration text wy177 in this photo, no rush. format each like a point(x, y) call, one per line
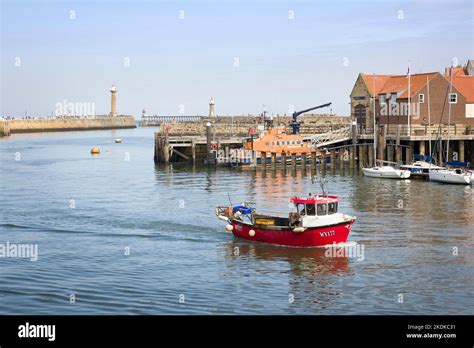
point(327, 234)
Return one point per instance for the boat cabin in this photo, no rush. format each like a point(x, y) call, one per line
point(316, 206)
point(312, 211)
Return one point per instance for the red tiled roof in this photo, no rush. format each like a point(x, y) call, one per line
point(380, 81)
point(399, 84)
point(465, 86)
point(457, 71)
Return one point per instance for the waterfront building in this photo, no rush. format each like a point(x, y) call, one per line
point(416, 110)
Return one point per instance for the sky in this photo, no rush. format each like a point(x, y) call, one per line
point(171, 57)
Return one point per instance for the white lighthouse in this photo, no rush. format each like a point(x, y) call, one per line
point(211, 108)
point(113, 91)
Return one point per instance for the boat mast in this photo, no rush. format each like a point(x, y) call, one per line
point(409, 100)
point(429, 115)
point(449, 109)
point(375, 138)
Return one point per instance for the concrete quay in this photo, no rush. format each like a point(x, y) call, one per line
point(8, 127)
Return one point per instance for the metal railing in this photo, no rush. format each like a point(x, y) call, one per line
point(331, 137)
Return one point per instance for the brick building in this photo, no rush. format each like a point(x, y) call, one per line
point(390, 93)
point(392, 100)
point(362, 97)
point(430, 101)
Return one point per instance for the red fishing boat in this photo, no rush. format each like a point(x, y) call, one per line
point(315, 222)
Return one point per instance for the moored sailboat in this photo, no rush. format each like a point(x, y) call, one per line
point(449, 175)
point(386, 172)
point(383, 171)
point(420, 168)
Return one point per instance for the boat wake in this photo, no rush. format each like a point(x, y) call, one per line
point(348, 244)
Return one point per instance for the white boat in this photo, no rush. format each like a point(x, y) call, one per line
point(386, 172)
point(451, 176)
point(383, 171)
point(420, 168)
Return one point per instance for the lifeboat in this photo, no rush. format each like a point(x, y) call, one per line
point(314, 222)
point(276, 140)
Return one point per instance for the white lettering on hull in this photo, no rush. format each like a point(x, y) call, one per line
point(327, 234)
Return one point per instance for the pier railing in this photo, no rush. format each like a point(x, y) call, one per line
point(158, 120)
point(422, 130)
point(331, 137)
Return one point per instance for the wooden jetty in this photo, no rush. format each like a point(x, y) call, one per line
point(346, 149)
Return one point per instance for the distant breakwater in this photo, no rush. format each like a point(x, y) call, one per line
point(8, 127)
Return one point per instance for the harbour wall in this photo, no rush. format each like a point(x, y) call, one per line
point(65, 124)
point(239, 125)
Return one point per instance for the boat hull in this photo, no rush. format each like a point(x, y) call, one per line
point(385, 174)
point(448, 177)
point(310, 237)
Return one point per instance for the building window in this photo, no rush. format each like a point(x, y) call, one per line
point(421, 98)
point(359, 111)
point(393, 98)
point(453, 98)
point(382, 99)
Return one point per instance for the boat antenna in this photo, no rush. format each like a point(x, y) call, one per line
point(321, 183)
point(229, 199)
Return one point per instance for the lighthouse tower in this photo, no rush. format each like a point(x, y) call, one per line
point(113, 111)
point(211, 108)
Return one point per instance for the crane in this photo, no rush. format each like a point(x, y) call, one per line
point(295, 125)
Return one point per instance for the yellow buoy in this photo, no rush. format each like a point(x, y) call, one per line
point(95, 150)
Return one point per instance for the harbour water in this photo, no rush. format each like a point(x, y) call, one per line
point(124, 236)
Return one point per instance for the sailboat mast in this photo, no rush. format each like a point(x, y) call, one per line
point(429, 114)
point(375, 138)
point(449, 109)
point(409, 100)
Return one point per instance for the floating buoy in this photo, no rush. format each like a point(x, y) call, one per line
point(229, 228)
point(95, 150)
point(252, 233)
point(118, 141)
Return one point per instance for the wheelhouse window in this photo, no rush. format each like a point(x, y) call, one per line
point(332, 208)
point(322, 209)
point(453, 98)
point(301, 209)
point(421, 98)
point(310, 209)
